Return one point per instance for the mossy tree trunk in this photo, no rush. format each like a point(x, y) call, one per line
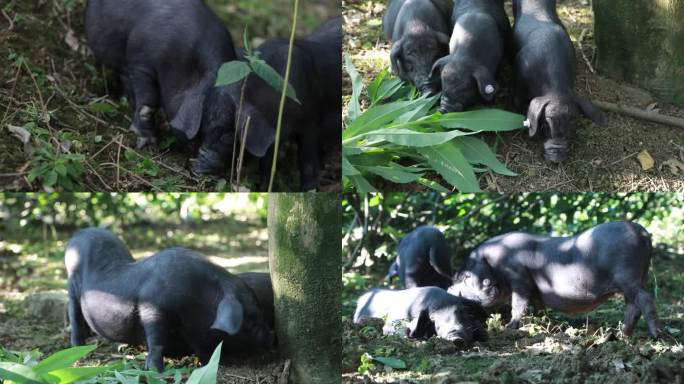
point(642, 42)
point(305, 262)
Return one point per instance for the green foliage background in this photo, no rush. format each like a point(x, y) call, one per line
point(375, 223)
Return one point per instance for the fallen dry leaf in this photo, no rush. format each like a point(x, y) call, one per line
point(645, 160)
point(675, 166)
point(20, 133)
point(72, 41)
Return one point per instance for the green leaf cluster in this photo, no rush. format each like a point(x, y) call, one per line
point(400, 138)
point(234, 71)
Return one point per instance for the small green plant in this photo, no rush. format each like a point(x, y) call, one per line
point(52, 159)
point(366, 365)
point(234, 71)
point(400, 138)
point(55, 369)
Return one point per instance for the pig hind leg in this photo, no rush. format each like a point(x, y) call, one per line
point(642, 300)
point(145, 95)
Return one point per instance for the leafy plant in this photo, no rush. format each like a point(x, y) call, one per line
point(234, 71)
point(400, 138)
point(55, 369)
point(52, 160)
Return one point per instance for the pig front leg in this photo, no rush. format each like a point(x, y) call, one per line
point(519, 304)
point(79, 327)
point(156, 333)
point(146, 103)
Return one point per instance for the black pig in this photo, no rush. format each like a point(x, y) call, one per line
point(571, 274)
point(315, 124)
point(260, 283)
point(166, 54)
point(424, 259)
point(429, 310)
point(478, 39)
point(545, 66)
point(176, 302)
point(419, 33)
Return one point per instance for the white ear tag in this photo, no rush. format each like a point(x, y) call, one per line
point(526, 123)
point(489, 89)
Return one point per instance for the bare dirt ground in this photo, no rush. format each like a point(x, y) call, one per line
point(602, 158)
point(51, 86)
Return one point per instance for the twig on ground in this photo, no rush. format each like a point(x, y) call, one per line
point(9, 20)
point(92, 169)
point(624, 158)
point(651, 116)
point(581, 49)
point(134, 175)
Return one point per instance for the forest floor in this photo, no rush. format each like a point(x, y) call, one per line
point(602, 158)
point(51, 87)
point(33, 265)
point(551, 347)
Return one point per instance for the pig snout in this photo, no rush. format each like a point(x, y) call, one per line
point(458, 337)
point(556, 150)
point(446, 105)
point(265, 338)
point(208, 162)
point(427, 87)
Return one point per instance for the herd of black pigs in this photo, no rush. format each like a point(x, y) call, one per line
point(570, 274)
point(459, 46)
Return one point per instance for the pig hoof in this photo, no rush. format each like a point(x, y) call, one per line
point(145, 141)
point(513, 324)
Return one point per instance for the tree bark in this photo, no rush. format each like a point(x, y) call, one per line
point(305, 261)
point(642, 42)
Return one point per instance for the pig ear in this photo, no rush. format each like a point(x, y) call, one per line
point(436, 71)
point(260, 135)
point(443, 38)
point(485, 83)
point(188, 118)
point(421, 327)
point(535, 114)
point(229, 315)
point(396, 59)
point(590, 110)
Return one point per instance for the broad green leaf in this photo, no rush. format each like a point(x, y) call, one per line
point(362, 185)
point(394, 173)
point(272, 78)
point(390, 362)
point(478, 152)
point(377, 117)
point(19, 373)
point(63, 359)
point(50, 179)
point(433, 185)
point(232, 72)
point(353, 108)
point(447, 160)
point(207, 374)
point(348, 169)
point(71, 375)
point(483, 120)
point(371, 158)
point(101, 107)
point(419, 111)
point(411, 138)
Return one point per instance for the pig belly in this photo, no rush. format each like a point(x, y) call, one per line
point(112, 317)
point(572, 288)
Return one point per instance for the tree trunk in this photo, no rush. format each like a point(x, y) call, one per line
point(305, 262)
point(642, 42)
